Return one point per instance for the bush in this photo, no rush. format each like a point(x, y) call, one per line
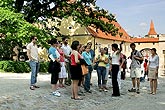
point(20, 67)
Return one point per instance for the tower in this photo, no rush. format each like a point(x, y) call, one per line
point(152, 33)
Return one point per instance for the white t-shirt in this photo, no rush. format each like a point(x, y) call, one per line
point(67, 50)
point(154, 61)
point(33, 51)
point(115, 58)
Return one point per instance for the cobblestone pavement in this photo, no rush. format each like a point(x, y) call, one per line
point(16, 95)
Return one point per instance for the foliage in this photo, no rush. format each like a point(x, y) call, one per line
point(20, 67)
point(6, 47)
point(84, 12)
point(15, 29)
point(7, 4)
point(14, 26)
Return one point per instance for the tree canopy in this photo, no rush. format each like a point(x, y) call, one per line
point(84, 12)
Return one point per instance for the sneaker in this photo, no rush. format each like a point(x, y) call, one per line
point(105, 90)
point(56, 93)
point(138, 91)
point(100, 89)
point(132, 90)
point(89, 91)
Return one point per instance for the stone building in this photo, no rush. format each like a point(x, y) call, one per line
point(101, 39)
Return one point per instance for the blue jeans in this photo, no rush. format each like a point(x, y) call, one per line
point(34, 70)
point(87, 79)
point(101, 73)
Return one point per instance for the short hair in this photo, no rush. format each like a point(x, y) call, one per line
point(32, 37)
point(85, 46)
point(146, 60)
point(106, 49)
point(75, 44)
point(154, 49)
point(132, 44)
point(64, 38)
point(89, 43)
point(52, 41)
point(115, 46)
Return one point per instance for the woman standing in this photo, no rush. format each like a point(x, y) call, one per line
point(115, 68)
point(102, 60)
point(62, 74)
point(107, 66)
point(88, 59)
point(153, 70)
point(76, 71)
point(54, 66)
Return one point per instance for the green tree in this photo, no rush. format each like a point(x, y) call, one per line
point(84, 12)
point(13, 28)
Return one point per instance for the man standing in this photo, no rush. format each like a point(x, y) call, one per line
point(89, 45)
point(32, 53)
point(135, 67)
point(67, 51)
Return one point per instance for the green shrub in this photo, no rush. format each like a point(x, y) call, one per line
point(20, 67)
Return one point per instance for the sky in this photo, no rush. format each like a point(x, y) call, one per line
point(135, 15)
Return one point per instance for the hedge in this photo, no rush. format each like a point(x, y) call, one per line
point(20, 67)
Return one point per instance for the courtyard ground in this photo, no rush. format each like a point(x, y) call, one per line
point(16, 95)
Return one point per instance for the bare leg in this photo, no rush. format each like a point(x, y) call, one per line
point(151, 85)
point(72, 89)
point(75, 86)
point(133, 82)
point(60, 82)
point(154, 85)
point(54, 87)
point(138, 83)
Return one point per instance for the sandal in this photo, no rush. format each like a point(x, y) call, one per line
point(72, 98)
point(153, 93)
point(32, 87)
point(78, 98)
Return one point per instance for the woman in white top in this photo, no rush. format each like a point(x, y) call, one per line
point(153, 70)
point(115, 68)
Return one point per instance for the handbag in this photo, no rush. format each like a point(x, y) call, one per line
point(84, 69)
point(54, 67)
point(95, 66)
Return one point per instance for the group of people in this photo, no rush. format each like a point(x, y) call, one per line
point(66, 64)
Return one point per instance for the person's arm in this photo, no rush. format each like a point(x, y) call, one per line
point(76, 57)
point(157, 64)
point(123, 60)
point(53, 55)
point(138, 56)
point(29, 52)
point(120, 48)
point(106, 60)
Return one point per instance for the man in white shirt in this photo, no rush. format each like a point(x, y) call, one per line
point(32, 53)
point(67, 51)
point(135, 67)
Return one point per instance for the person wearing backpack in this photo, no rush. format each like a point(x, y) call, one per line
point(135, 67)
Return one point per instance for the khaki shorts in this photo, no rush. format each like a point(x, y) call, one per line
point(152, 74)
point(135, 73)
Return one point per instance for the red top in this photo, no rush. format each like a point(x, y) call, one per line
point(145, 66)
point(73, 62)
point(62, 58)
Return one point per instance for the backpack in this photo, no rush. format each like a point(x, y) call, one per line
point(138, 61)
point(122, 56)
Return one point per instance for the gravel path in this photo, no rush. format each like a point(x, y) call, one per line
point(16, 95)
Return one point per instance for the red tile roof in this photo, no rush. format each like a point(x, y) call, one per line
point(125, 37)
point(100, 34)
point(145, 40)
